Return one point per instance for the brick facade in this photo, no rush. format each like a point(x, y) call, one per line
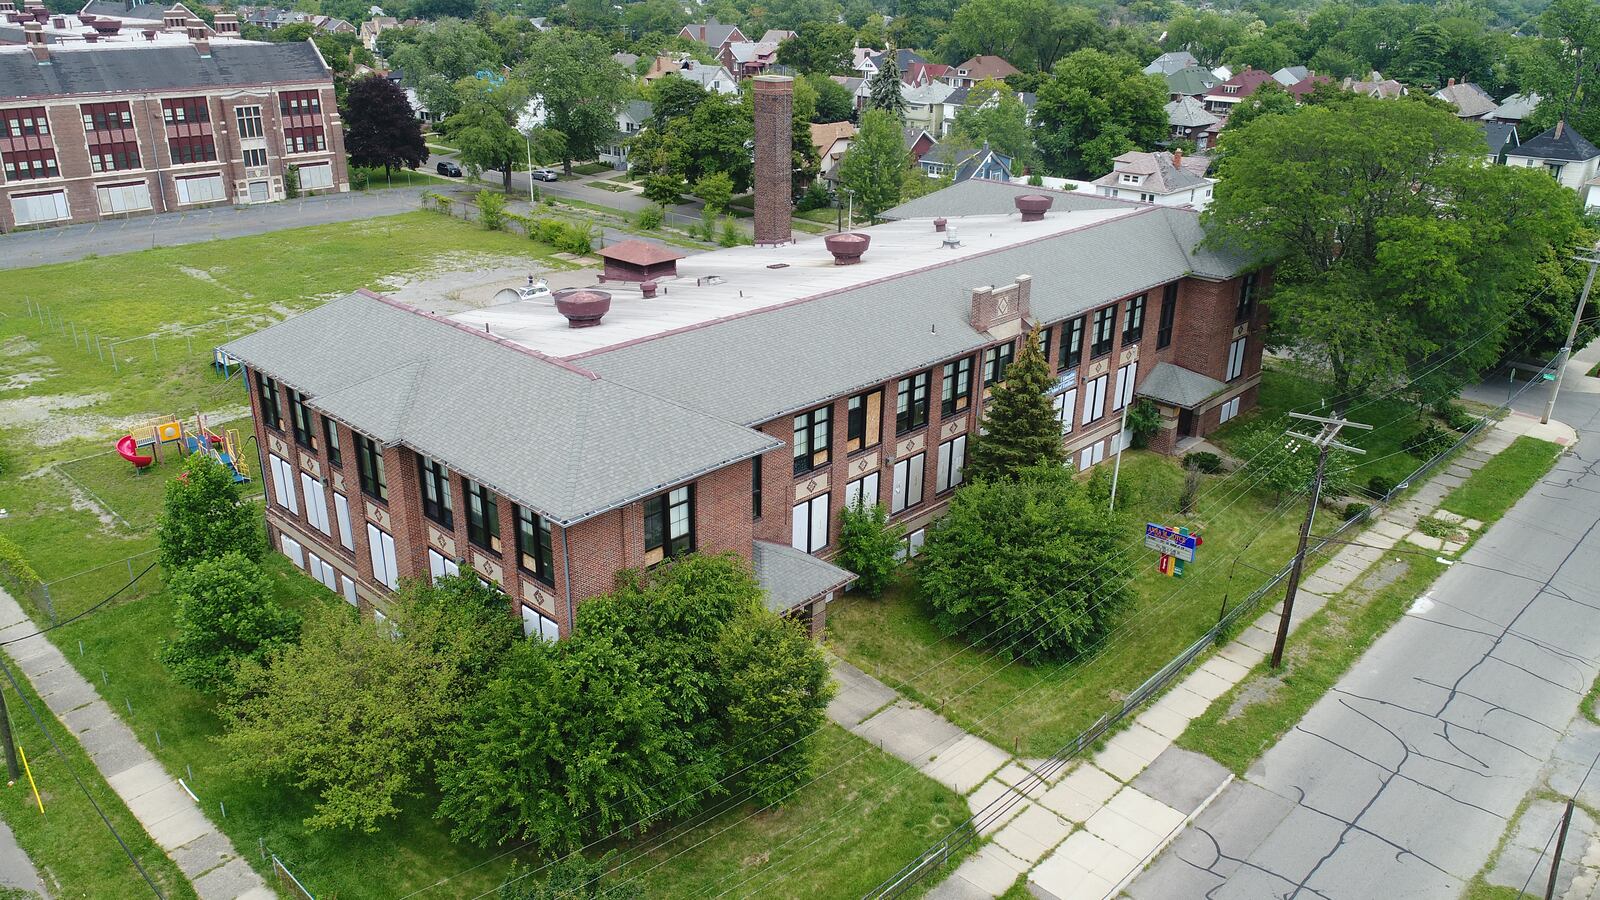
point(157, 169)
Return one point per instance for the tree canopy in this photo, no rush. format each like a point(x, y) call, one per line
point(202, 517)
point(380, 127)
point(1020, 428)
point(1095, 107)
point(875, 163)
point(580, 88)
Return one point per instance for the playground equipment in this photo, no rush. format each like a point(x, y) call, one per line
point(128, 449)
point(223, 447)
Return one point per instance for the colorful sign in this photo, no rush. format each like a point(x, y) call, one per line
point(1175, 542)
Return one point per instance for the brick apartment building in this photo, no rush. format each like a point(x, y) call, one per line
point(90, 131)
point(736, 401)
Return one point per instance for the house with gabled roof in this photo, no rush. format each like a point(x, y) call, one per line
point(1470, 101)
point(715, 35)
point(1568, 156)
point(980, 68)
point(1167, 63)
point(1222, 98)
point(1190, 81)
point(1167, 179)
point(1189, 120)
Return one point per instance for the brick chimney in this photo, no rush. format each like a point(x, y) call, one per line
point(1450, 83)
point(1177, 158)
point(774, 168)
point(199, 38)
point(33, 33)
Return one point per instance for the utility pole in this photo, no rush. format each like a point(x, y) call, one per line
point(1323, 441)
point(1572, 335)
point(1116, 468)
point(11, 745)
point(1561, 844)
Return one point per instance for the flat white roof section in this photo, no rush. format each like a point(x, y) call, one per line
point(741, 280)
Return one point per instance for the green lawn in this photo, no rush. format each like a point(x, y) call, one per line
point(76, 854)
point(611, 186)
point(1241, 724)
point(1038, 708)
point(591, 168)
point(375, 177)
point(1502, 481)
point(1283, 388)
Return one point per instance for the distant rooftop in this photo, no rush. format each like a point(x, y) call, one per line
point(129, 68)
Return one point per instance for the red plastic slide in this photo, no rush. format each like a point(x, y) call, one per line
point(128, 449)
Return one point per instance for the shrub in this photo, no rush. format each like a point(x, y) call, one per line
point(869, 545)
point(550, 231)
point(576, 239)
point(716, 189)
point(666, 190)
point(1455, 416)
point(1021, 565)
point(730, 235)
point(491, 210)
point(291, 182)
point(815, 197)
point(1282, 464)
point(1035, 180)
point(1351, 510)
point(1203, 461)
point(202, 518)
point(571, 877)
point(1380, 485)
point(225, 614)
point(15, 570)
point(1428, 441)
point(1144, 420)
point(650, 217)
point(1191, 491)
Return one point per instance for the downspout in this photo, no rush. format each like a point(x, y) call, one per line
point(566, 576)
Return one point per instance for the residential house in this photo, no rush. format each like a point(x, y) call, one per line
point(1167, 63)
point(923, 73)
point(1166, 179)
point(1375, 85)
point(1567, 155)
point(373, 27)
point(980, 68)
point(927, 106)
point(110, 130)
point(631, 118)
point(404, 444)
point(713, 34)
point(714, 78)
point(1499, 138)
point(1306, 85)
point(963, 163)
point(961, 97)
point(1291, 75)
point(747, 59)
point(1514, 108)
point(1188, 120)
point(625, 60)
point(831, 139)
point(868, 62)
point(1470, 101)
point(1190, 81)
point(1222, 98)
point(917, 142)
point(776, 36)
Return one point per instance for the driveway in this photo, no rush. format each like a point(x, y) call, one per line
point(73, 242)
point(1401, 781)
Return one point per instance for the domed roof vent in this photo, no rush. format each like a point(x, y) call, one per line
point(1033, 206)
point(847, 248)
point(583, 308)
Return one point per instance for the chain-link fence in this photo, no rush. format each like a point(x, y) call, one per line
point(128, 579)
point(157, 353)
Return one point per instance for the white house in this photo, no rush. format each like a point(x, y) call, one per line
point(1166, 179)
point(1566, 155)
point(632, 117)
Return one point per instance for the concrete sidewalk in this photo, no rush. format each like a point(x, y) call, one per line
point(173, 820)
point(1084, 833)
point(17, 871)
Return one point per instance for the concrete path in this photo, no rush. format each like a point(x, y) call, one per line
point(173, 820)
point(1086, 832)
point(68, 243)
point(17, 871)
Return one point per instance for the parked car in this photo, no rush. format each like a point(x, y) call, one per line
point(448, 168)
point(544, 175)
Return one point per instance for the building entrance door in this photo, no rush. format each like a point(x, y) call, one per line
point(1185, 423)
point(259, 192)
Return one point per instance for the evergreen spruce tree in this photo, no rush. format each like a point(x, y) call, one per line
point(1020, 424)
point(885, 88)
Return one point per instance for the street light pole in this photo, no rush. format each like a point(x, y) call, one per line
point(1116, 468)
point(1572, 334)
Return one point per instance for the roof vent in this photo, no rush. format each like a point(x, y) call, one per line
point(940, 223)
point(1033, 206)
point(583, 308)
point(648, 289)
point(847, 248)
point(950, 239)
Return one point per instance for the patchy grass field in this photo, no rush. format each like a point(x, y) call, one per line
point(1038, 708)
point(1502, 481)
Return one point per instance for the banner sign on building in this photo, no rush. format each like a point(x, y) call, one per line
point(1170, 541)
point(1066, 382)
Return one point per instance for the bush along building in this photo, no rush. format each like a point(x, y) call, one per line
point(735, 400)
point(90, 131)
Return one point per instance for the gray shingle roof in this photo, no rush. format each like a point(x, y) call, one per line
point(1469, 100)
point(791, 577)
point(1187, 112)
point(1498, 135)
point(1569, 145)
point(788, 358)
point(553, 438)
point(1179, 386)
point(150, 12)
point(126, 68)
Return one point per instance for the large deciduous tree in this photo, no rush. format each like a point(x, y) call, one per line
point(993, 114)
point(1024, 566)
point(580, 87)
point(1020, 428)
point(1094, 107)
point(202, 517)
point(1399, 251)
point(380, 127)
point(675, 689)
point(485, 129)
point(359, 712)
point(876, 162)
point(225, 614)
point(822, 48)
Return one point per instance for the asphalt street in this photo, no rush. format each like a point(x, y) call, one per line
point(1400, 782)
